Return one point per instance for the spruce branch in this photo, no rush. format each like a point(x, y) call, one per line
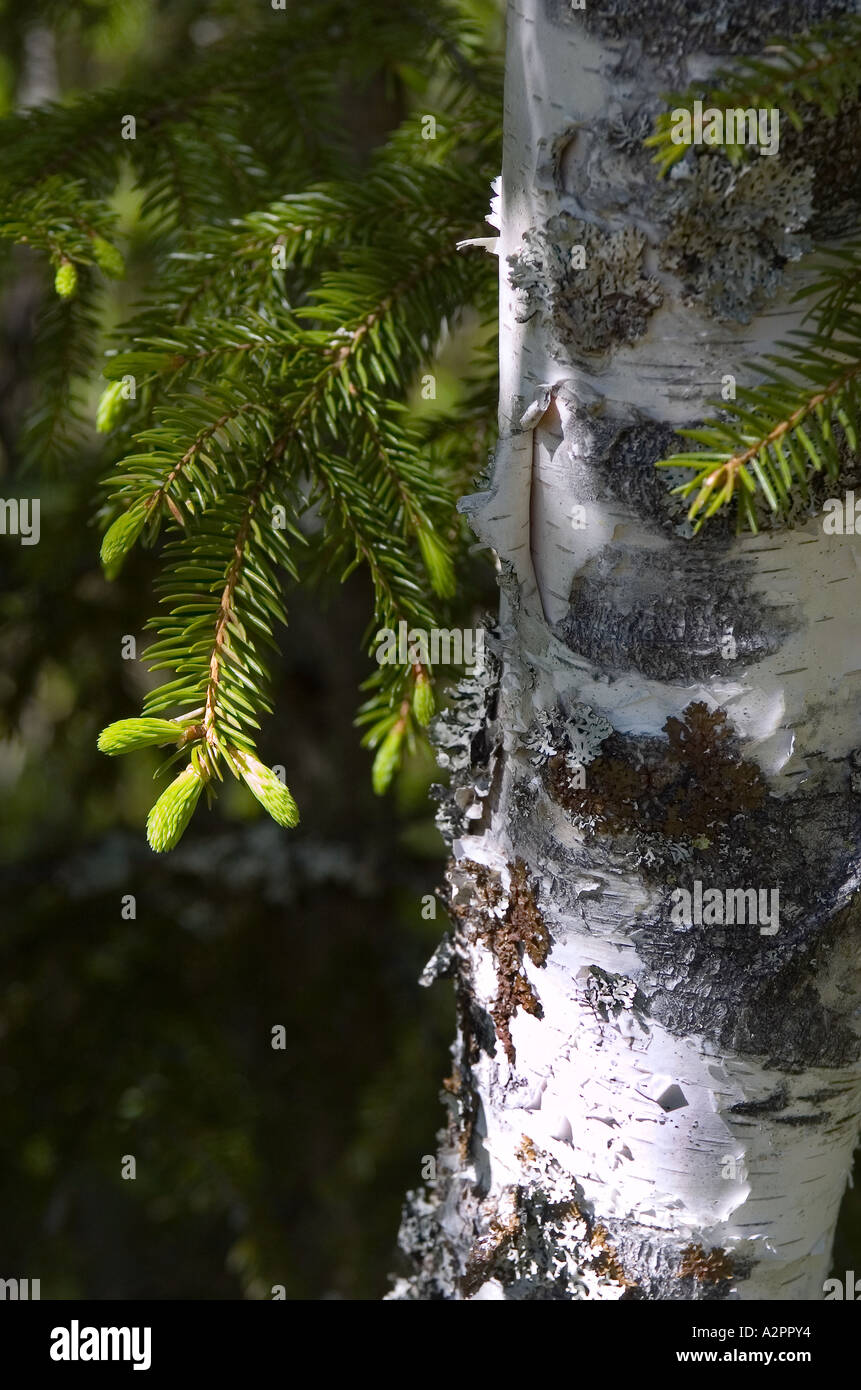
point(273, 364)
point(783, 432)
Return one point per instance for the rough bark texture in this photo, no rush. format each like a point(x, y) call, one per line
point(641, 1107)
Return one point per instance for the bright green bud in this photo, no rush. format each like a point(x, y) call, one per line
point(269, 789)
point(170, 815)
point(438, 564)
point(120, 537)
point(423, 701)
point(108, 258)
point(110, 407)
point(127, 734)
point(387, 759)
point(66, 280)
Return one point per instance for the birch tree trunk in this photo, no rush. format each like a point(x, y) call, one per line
point(642, 1104)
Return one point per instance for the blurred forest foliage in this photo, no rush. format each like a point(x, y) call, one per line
point(151, 1036)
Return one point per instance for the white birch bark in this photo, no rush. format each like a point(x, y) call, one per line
point(642, 1108)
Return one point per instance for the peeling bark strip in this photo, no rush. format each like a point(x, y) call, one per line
point(646, 1103)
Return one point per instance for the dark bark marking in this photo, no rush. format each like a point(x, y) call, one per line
point(669, 616)
point(672, 29)
point(778, 1100)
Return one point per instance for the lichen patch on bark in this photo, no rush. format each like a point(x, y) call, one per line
point(588, 307)
point(509, 923)
point(710, 1267)
point(732, 230)
point(686, 787)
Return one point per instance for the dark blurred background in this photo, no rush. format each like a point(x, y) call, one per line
point(150, 1035)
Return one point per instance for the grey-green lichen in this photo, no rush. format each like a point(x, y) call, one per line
point(732, 230)
point(614, 1000)
point(586, 283)
point(465, 737)
point(574, 734)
